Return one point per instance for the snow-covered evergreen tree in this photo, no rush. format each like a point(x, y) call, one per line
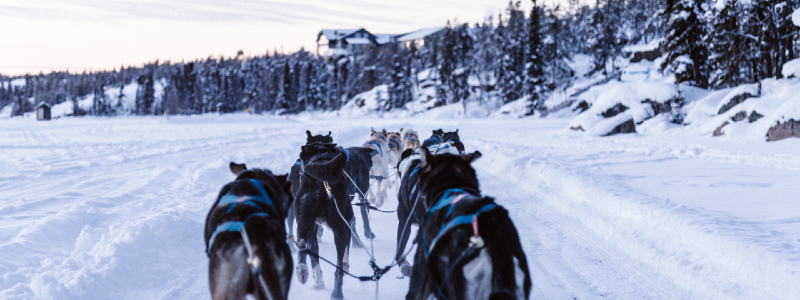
point(400, 89)
point(511, 71)
point(687, 54)
point(534, 62)
point(726, 44)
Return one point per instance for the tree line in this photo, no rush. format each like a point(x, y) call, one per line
point(517, 55)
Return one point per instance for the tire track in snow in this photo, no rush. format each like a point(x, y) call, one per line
point(703, 252)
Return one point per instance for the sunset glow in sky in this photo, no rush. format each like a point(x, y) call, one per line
point(45, 35)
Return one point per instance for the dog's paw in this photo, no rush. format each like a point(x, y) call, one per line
point(318, 285)
point(302, 273)
point(369, 235)
point(405, 269)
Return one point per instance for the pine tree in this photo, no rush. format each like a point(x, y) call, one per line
point(726, 44)
point(534, 75)
point(606, 41)
point(399, 86)
point(687, 54)
point(511, 71)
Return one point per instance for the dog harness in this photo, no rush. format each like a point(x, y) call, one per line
point(435, 148)
point(406, 137)
point(450, 199)
point(232, 201)
point(435, 139)
point(394, 142)
point(375, 151)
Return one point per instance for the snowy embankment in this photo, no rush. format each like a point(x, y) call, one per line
point(113, 208)
point(66, 108)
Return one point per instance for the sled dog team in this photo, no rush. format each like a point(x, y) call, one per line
point(467, 246)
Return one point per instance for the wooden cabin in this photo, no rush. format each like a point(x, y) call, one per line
point(43, 112)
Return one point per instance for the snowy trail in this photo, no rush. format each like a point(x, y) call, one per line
point(101, 208)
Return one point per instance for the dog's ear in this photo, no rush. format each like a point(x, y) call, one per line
point(329, 133)
point(308, 132)
point(406, 153)
point(372, 130)
point(456, 130)
point(384, 131)
point(401, 129)
point(236, 169)
point(425, 159)
point(470, 157)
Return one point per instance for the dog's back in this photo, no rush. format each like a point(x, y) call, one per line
point(255, 202)
point(395, 147)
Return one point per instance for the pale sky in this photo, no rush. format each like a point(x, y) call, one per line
point(45, 35)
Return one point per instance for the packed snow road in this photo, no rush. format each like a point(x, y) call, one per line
point(113, 208)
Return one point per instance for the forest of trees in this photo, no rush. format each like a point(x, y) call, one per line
point(517, 54)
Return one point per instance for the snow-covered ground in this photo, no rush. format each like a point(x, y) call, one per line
point(113, 208)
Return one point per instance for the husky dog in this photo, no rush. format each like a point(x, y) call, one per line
point(468, 245)
point(409, 139)
point(407, 195)
point(244, 236)
point(323, 196)
point(436, 138)
point(453, 139)
point(444, 140)
point(395, 144)
point(378, 142)
point(294, 177)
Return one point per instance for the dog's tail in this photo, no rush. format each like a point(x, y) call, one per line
point(330, 171)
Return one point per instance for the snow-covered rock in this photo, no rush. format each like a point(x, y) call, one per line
point(609, 101)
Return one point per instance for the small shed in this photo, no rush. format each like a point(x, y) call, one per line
point(43, 112)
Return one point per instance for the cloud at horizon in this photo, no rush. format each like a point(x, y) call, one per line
point(45, 35)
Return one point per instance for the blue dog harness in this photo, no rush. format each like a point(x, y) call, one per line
point(451, 198)
point(262, 202)
point(435, 139)
point(374, 151)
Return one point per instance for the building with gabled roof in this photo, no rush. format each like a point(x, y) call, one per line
point(418, 37)
point(332, 43)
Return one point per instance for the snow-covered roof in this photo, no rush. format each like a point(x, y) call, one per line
point(331, 34)
point(652, 45)
point(419, 34)
point(384, 38)
point(43, 104)
point(357, 41)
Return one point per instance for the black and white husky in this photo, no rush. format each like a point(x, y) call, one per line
point(244, 236)
point(294, 177)
point(408, 207)
point(468, 247)
point(322, 198)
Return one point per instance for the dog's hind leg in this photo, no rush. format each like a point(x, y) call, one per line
point(290, 231)
point(365, 217)
point(229, 273)
point(353, 234)
point(341, 242)
point(313, 245)
point(403, 232)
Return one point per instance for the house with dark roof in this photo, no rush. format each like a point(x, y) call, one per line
point(340, 42)
point(334, 43)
